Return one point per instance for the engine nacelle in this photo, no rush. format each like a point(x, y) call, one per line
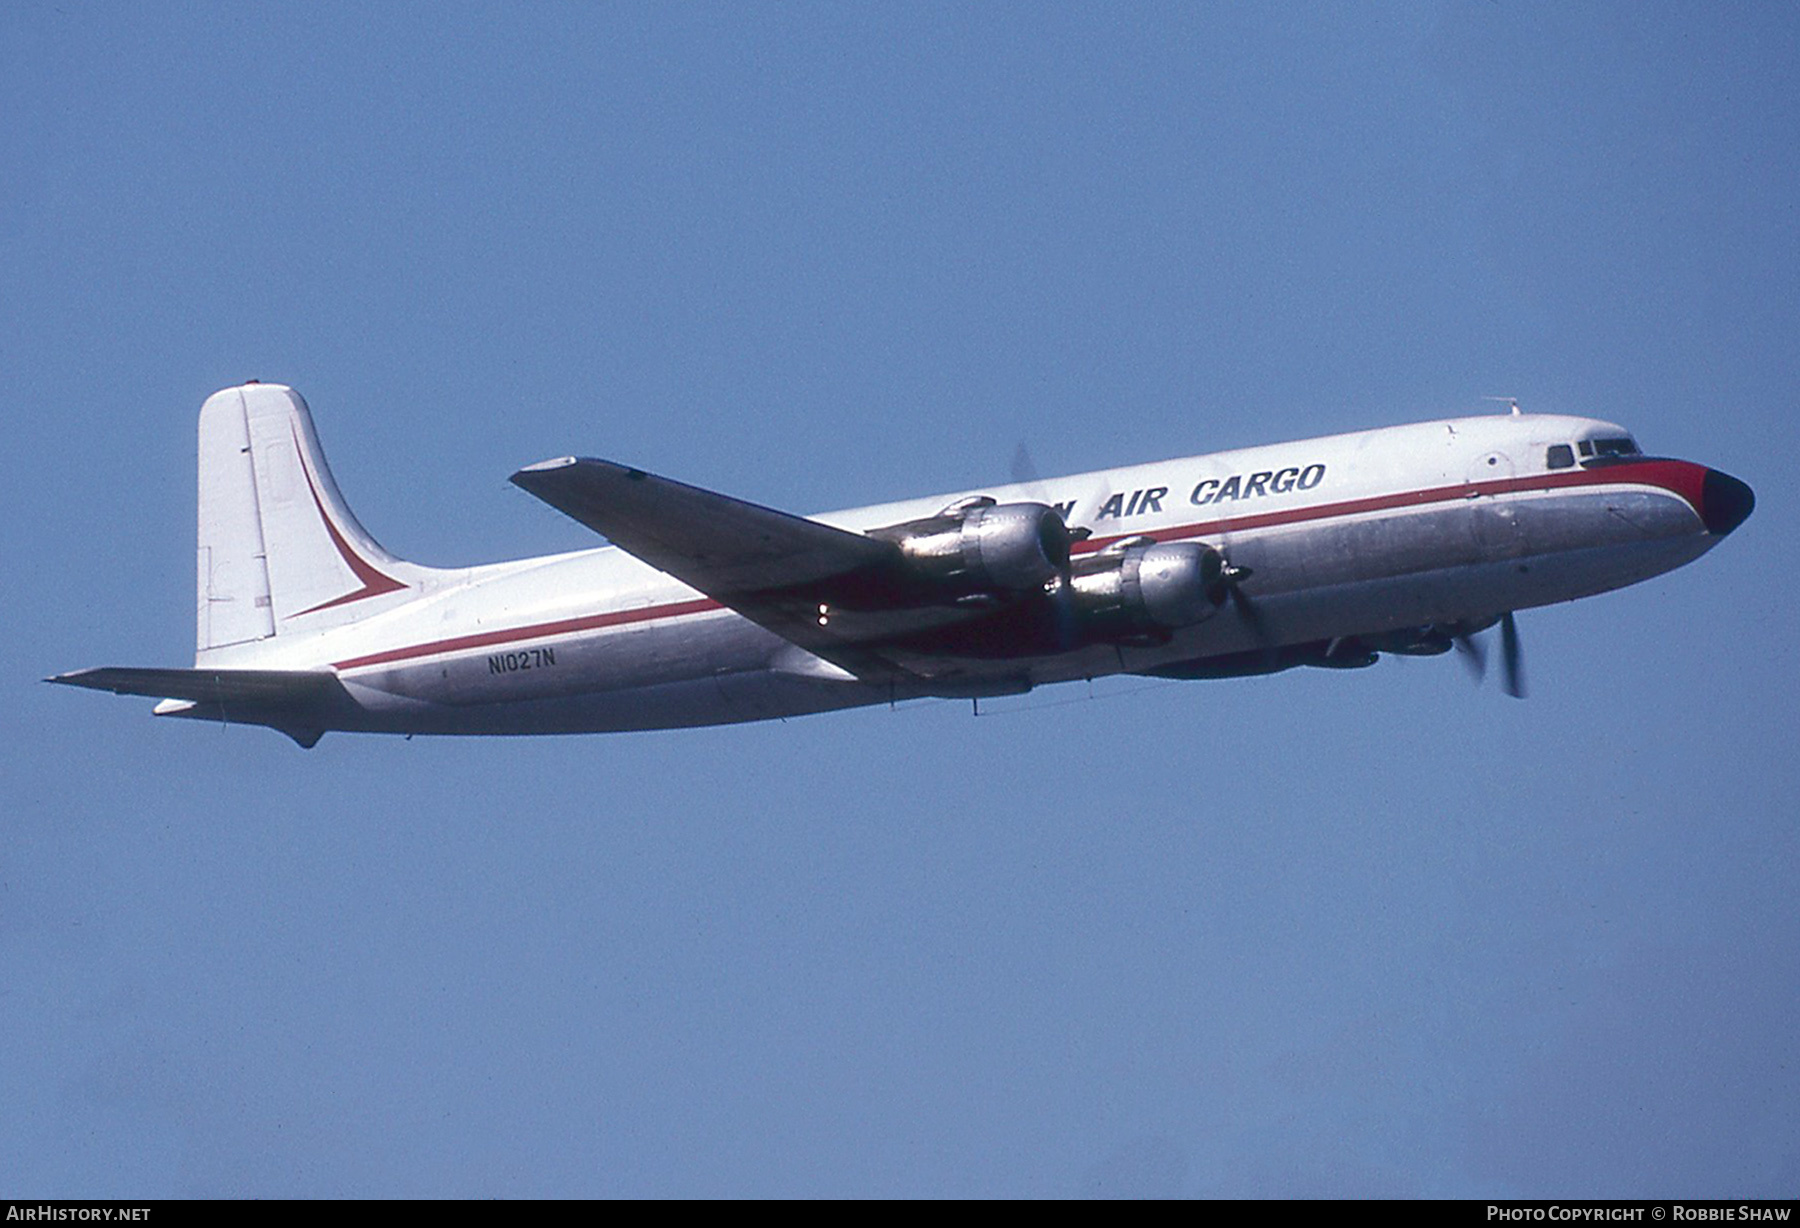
point(1142, 591)
point(980, 546)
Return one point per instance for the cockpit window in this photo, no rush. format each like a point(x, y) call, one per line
point(1561, 456)
point(1619, 446)
point(1586, 446)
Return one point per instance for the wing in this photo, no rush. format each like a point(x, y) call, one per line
point(773, 568)
point(719, 545)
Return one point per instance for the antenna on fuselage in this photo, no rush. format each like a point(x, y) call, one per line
point(1512, 401)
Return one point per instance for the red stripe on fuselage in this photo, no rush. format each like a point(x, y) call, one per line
point(566, 626)
point(1681, 478)
point(1684, 479)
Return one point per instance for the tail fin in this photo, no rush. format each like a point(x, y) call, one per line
point(279, 551)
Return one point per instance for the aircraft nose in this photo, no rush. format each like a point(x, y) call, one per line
point(1728, 501)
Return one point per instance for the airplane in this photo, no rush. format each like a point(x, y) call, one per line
point(705, 609)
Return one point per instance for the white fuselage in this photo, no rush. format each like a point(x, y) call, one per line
point(1367, 534)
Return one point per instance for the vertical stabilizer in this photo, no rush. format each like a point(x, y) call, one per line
point(279, 550)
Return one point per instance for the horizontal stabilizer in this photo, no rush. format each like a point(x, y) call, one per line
point(297, 702)
point(262, 687)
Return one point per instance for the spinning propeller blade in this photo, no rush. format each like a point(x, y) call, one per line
point(1512, 665)
point(1512, 657)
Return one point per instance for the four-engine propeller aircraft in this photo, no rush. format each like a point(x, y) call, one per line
point(707, 609)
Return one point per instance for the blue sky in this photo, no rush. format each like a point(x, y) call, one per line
point(1373, 933)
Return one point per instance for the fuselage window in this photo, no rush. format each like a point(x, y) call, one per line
point(1561, 456)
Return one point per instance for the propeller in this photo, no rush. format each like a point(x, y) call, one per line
point(1472, 651)
point(1062, 612)
point(1512, 658)
point(1024, 472)
point(1248, 610)
point(1512, 666)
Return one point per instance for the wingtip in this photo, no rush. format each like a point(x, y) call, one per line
point(523, 479)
